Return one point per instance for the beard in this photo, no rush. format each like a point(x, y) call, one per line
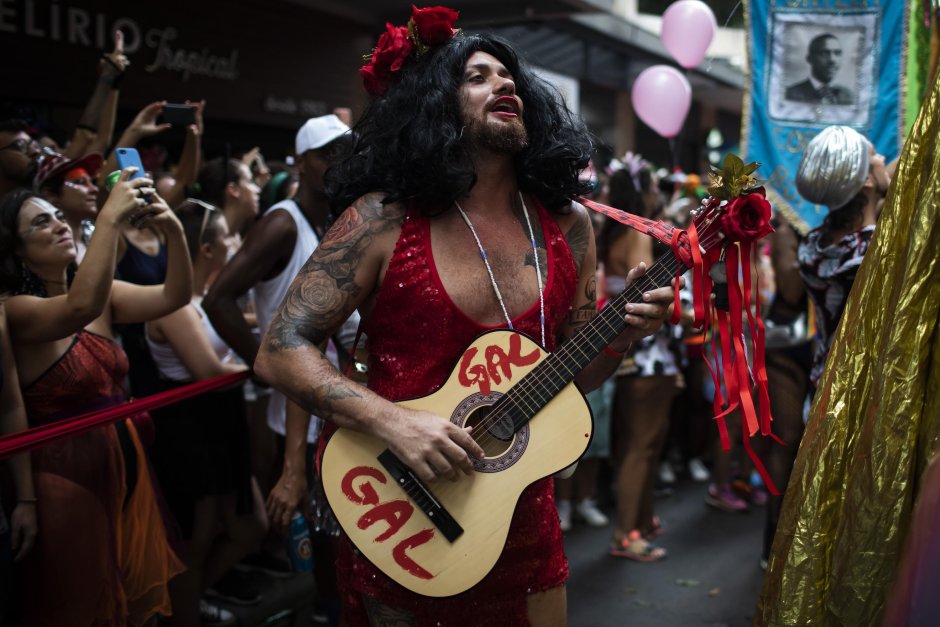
point(498, 137)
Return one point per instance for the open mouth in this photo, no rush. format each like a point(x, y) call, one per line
point(506, 106)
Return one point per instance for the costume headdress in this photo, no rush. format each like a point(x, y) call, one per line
point(834, 167)
point(428, 27)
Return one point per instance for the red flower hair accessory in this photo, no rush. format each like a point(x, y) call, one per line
point(429, 26)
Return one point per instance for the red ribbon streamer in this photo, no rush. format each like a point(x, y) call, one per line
point(738, 377)
point(23, 441)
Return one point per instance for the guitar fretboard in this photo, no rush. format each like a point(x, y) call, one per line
point(525, 399)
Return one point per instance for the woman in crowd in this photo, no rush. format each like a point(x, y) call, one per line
point(107, 561)
point(201, 450)
point(69, 184)
point(141, 255)
point(645, 387)
point(17, 535)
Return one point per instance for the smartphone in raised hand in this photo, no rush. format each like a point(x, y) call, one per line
point(178, 115)
point(128, 158)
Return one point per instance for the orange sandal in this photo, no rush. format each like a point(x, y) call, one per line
point(634, 547)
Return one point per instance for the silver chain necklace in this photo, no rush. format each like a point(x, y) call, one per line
point(489, 270)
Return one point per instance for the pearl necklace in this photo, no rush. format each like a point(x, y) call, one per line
point(489, 270)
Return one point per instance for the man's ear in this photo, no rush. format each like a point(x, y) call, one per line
point(232, 190)
point(205, 250)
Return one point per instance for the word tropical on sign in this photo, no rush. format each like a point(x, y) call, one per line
point(77, 26)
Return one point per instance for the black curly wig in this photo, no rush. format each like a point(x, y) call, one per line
point(409, 141)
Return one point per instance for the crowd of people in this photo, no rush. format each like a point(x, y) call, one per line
point(129, 286)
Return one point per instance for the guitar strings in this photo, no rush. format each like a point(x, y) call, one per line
point(534, 382)
point(535, 379)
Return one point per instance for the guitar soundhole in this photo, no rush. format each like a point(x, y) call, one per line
point(496, 436)
point(492, 433)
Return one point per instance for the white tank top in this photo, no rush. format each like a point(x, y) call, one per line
point(169, 364)
point(268, 296)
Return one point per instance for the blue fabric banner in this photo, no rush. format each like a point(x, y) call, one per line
point(814, 63)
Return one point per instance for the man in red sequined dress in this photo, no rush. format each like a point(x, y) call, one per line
point(456, 220)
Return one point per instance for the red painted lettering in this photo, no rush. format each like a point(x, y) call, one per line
point(498, 364)
point(395, 513)
point(366, 495)
point(401, 557)
point(480, 376)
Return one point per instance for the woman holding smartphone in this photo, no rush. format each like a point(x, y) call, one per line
point(201, 454)
point(102, 556)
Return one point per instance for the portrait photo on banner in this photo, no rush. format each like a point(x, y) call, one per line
point(822, 66)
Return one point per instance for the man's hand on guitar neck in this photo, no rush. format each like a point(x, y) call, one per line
point(647, 317)
point(430, 445)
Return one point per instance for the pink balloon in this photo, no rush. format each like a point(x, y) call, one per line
point(661, 97)
point(688, 29)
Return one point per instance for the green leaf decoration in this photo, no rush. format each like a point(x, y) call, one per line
point(732, 179)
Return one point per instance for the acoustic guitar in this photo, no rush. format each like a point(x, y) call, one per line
point(528, 416)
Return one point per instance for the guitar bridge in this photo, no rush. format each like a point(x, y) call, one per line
point(421, 496)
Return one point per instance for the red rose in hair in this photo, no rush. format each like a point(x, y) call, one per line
point(393, 48)
point(435, 25)
point(747, 217)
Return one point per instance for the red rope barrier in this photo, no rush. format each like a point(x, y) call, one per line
point(23, 441)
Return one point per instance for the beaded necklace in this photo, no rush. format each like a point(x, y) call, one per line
point(489, 270)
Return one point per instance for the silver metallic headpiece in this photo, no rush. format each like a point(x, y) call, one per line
point(834, 167)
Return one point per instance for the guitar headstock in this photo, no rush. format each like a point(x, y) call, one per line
point(736, 209)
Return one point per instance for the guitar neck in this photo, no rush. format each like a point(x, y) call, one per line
point(536, 389)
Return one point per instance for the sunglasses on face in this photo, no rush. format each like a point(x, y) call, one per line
point(207, 209)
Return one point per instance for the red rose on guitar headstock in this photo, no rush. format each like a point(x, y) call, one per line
point(747, 217)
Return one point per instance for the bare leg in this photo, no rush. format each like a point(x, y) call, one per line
point(187, 588)
point(564, 488)
point(384, 616)
point(241, 534)
point(549, 608)
point(789, 384)
point(585, 479)
point(646, 420)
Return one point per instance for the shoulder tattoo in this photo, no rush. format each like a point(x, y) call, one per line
point(578, 237)
point(319, 298)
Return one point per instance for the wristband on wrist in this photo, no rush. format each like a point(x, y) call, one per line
point(27, 500)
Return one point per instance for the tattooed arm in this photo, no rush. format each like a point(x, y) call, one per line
point(642, 318)
point(341, 275)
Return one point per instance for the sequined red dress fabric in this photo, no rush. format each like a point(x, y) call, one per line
point(416, 333)
point(101, 556)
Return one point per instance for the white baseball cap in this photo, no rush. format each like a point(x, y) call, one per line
point(318, 132)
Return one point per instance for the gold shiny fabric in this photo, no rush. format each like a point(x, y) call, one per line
point(875, 418)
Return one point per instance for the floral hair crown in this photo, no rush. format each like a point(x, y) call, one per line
point(430, 26)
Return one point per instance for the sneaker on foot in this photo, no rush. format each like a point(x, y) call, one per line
point(666, 473)
point(564, 515)
point(588, 512)
point(759, 496)
point(698, 471)
point(725, 499)
point(214, 615)
point(236, 588)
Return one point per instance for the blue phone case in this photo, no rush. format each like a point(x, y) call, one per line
point(126, 158)
point(129, 157)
